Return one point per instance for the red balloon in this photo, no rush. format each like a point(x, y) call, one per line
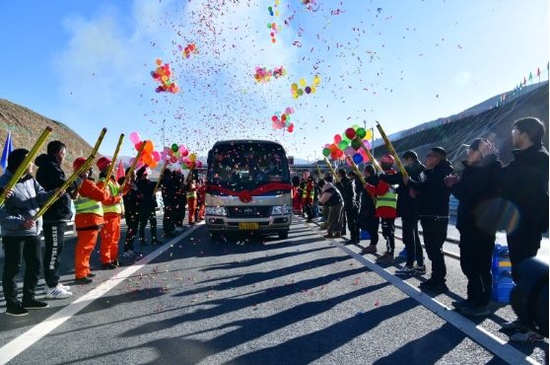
point(350, 133)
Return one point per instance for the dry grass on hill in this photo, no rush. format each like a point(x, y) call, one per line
point(26, 126)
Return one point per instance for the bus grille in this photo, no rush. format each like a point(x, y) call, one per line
point(248, 212)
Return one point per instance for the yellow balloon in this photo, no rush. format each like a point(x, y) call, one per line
point(302, 82)
point(192, 157)
point(368, 135)
point(316, 80)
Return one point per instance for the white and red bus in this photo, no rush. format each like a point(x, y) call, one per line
point(248, 188)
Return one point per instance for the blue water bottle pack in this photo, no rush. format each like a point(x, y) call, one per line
point(502, 274)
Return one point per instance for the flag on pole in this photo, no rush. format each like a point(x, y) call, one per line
point(120, 170)
point(8, 147)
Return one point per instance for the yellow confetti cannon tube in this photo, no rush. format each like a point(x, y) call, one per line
point(336, 179)
point(318, 170)
point(98, 142)
point(390, 148)
point(370, 156)
point(115, 156)
point(85, 166)
point(132, 167)
point(356, 170)
point(160, 177)
point(26, 161)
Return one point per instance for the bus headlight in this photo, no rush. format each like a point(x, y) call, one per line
point(216, 211)
point(281, 209)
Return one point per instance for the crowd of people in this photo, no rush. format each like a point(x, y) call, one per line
point(491, 196)
point(98, 209)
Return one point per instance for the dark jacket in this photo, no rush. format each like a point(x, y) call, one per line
point(347, 190)
point(406, 204)
point(433, 194)
point(131, 202)
point(367, 204)
point(477, 193)
point(169, 190)
point(524, 182)
point(50, 176)
point(146, 201)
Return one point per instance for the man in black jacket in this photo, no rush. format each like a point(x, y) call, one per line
point(346, 186)
point(433, 211)
point(51, 176)
point(477, 193)
point(406, 209)
point(524, 184)
point(147, 204)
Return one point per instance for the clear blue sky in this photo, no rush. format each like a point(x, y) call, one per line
point(88, 64)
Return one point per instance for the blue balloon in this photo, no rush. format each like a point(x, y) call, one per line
point(357, 158)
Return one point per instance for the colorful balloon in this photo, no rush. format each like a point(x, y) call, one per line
point(134, 138)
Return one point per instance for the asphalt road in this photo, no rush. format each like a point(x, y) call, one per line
point(302, 300)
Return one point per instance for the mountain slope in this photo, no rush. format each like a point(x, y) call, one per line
point(26, 126)
point(494, 123)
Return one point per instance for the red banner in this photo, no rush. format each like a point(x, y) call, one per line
point(245, 195)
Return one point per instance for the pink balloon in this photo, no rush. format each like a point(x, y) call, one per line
point(134, 138)
point(182, 149)
point(349, 151)
point(337, 138)
point(198, 164)
point(156, 156)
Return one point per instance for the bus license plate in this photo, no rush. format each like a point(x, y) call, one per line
point(248, 225)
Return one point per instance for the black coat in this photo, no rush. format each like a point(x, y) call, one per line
point(477, 193)
point(347, 190)
point(146, 201)
point(50, 176)
point(367, 206)
point(406, 204)
point(433, 195)
point(524, 182)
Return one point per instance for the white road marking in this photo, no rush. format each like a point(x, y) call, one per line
point(477, 333)
point(34, 334)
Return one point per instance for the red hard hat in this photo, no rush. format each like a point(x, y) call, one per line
point(103, 162)
point(387, 159)
point(78, 162)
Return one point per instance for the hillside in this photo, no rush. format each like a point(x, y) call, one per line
point(494, 123)
point(26, 126)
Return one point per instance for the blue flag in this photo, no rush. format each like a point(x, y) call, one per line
point(8, 147)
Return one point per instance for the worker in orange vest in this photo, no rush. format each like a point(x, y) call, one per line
point(88, 221)
point(110, 233)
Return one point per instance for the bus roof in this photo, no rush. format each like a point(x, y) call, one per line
point(245, 141)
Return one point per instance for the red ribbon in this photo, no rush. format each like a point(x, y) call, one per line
point(245, 195)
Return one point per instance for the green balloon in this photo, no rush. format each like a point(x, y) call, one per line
point(356, 144)
point(175, 147)
point(361, 133)
point(343, 144)
point(326, 152)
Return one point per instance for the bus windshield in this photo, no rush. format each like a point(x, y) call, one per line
point(247, 164)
